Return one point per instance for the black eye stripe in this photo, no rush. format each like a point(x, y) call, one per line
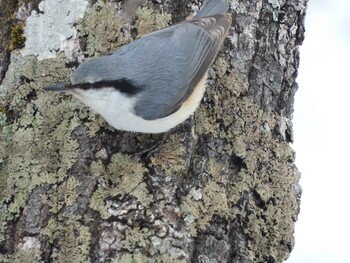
point(123, 85)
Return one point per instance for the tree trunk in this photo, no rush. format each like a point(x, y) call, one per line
point(221, 187)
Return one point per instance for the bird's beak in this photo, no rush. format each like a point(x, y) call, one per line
point(59, 87)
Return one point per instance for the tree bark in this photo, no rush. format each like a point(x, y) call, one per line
point(221, 187)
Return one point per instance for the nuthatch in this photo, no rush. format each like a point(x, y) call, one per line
point(156, 82)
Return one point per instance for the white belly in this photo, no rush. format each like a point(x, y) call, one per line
point(117, 109)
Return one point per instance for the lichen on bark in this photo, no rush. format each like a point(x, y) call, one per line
point(221, 187)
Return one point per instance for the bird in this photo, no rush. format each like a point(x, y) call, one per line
point(157, 81)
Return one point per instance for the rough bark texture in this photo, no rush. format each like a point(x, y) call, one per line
point(221, 187)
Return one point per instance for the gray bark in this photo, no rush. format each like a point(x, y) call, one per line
point(221, 187)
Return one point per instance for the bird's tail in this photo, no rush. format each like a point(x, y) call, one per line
point(212, 7)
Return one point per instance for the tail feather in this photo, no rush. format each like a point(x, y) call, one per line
point(212, 7)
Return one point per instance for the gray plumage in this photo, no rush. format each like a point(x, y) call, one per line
point(176, 58)
point(165, 65)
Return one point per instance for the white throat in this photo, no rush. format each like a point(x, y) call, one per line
point(118, 109)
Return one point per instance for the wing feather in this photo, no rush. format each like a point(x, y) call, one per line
point(190, 48)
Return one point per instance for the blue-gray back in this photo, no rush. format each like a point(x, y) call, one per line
point(166, 65)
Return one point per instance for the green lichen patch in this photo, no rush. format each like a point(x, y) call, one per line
point(195, 215)
point(102, 26)
point(37, 149)
point(215, 200)
point(266, 177)
point(198, 208)
point(97, 202)
point(125, 176)
point(105, 31)
point(50, 230)
point(17, 36)
point(137, 238)
point(28, 256)
point(171, 157)
point(37, 146)
point(217, 171)
point(72, 240)
point(123, 165)
point(133, 258)
point(63, 195)
point(150, 20)
point(170, 259)
point(97, 168)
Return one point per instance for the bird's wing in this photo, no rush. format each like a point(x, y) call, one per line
point(178, 58)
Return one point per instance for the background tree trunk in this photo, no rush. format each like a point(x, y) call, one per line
point(222, 187)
